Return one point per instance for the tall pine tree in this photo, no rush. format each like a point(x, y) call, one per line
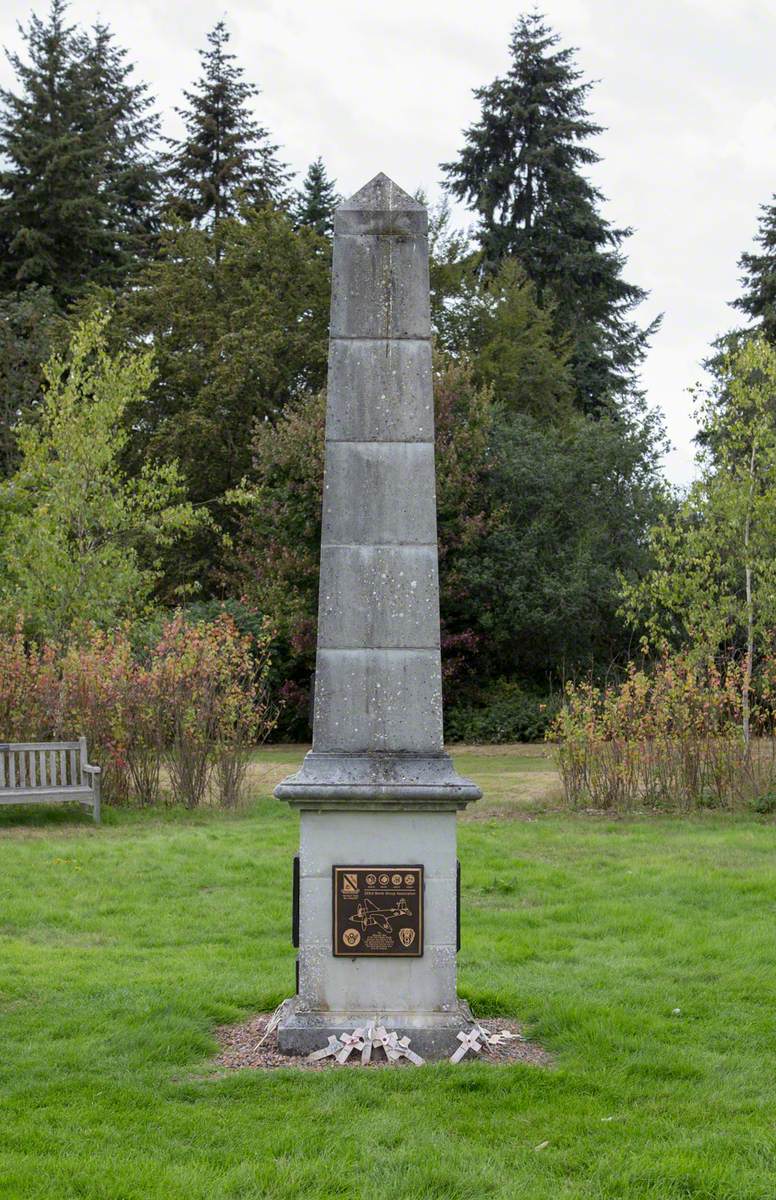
point(521, 169)
point(77, 184)
point(226, 155)
point(121, 120)
point(759, 275)
point(316, 200)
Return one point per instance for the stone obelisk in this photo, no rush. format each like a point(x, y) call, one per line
point(377, 794)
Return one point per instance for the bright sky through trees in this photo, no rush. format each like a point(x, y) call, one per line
point(684, 93)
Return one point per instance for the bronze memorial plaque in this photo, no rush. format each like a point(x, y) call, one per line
point(378, 911)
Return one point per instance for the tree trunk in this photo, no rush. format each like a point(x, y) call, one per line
point(747, 682)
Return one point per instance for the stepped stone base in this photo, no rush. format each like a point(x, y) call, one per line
point(433, 1035)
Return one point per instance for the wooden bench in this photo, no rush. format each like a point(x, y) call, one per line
point(48, 773)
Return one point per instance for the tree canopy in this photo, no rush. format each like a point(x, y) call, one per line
point(79, 539)
point(316, 200)
point(77, 187)
point(759, 275)
point(226, 157)
point(521, 169)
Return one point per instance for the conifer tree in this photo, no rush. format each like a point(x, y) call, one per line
point(521, 169)
point(47, 206)
point(29, 324)
point(316, 200)
point(119, 117)
point(759, 275)
point(76, 186)
point(226, 155)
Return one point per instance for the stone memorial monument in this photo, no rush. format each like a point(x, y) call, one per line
point(376, 881)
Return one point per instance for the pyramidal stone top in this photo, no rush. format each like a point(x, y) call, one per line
point(381, 206)
point(382, 193)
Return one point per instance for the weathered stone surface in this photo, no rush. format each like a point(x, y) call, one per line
point(337, 780)
point(394, 837)
point(379, 390)
point(377, 786)
point(357, 985)
point(378, 597)
point(432, 1035)
point(378, 700)
point(379, 493)
point(381, 208)
point(380, 265)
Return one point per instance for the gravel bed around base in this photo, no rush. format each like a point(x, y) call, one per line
point(245, 1047)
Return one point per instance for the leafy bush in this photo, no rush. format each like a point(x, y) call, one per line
point(506, 713)
point(669, 737)
point(194, 702)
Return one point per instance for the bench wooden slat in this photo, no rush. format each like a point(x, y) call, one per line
point(28, 774)
point(48, 791)
point(39, 745)
point(44, 795)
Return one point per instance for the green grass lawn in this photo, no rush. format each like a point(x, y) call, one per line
point(122, 947)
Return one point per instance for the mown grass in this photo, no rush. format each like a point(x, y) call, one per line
point(122, 947)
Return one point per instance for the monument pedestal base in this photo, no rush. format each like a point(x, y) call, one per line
point(378, 926)
point(433, 1035)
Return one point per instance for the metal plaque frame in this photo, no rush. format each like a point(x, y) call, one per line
point(377, 911)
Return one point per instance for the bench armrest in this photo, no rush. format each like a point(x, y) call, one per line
point(90, 770)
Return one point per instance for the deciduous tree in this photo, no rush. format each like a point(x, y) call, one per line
point(79, 541)
point(714, 582)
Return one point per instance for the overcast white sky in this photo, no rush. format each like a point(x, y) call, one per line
point(688, 155)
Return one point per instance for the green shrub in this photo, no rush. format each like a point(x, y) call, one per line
point(506, 712)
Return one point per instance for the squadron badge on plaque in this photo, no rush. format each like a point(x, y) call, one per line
point(378, 911)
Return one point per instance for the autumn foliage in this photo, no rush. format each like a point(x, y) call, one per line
point(176, 720)
point(669, 737)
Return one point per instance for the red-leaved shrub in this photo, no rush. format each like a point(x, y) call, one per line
point(668, 737)
point(192, 706)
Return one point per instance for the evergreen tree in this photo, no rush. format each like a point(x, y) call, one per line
point(226, 155)
point(514, 351)
point(46, 200)
point(316, 200)
point(759, 276)
point(521, 170)
point(119, 117)
point(493, 320)
point(238, 322)
point(30, 323)
point(76, 188)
